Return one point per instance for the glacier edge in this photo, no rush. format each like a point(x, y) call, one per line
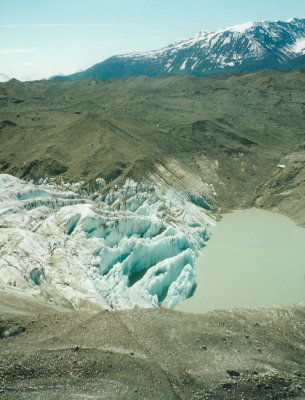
point(132, 246)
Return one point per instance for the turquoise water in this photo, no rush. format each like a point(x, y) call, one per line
point(254, 258)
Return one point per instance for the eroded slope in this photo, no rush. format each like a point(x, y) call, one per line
point(228, 131)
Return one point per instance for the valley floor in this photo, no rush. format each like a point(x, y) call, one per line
point(253, 354)
point(221, 143)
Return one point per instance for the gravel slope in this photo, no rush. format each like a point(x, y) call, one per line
point(154, 354)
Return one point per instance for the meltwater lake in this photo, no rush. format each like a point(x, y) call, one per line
point(254, 258)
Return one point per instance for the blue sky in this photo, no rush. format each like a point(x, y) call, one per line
point(40, 38)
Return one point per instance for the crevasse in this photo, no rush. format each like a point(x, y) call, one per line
point(132, 246)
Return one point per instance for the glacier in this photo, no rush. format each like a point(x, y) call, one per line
point(123, 247)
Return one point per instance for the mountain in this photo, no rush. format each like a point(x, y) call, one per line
point(247, 47)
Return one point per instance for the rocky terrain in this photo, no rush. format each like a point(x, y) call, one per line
point(154, 354)
point(217, 143)
point(223, 134)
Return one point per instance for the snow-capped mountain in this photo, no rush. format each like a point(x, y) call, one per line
point(247, 47)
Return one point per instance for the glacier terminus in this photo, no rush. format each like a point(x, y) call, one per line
point(131, 247)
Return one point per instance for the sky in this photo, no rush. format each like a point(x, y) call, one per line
point(41, 38)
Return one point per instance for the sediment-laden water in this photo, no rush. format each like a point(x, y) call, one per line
point(254, 258)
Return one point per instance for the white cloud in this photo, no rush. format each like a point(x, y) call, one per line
point(59, 25)
point(11, 51)
point(4, 78)
point(122, 1)
point(190, 24)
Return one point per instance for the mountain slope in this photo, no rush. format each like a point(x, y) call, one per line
point(246, 47)
point(227, 131)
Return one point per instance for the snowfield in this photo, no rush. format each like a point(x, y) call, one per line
point(128, 247)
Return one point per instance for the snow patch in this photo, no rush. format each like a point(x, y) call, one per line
point(241, 28)
point(299, 46)
point(182, 67)
point(195, 64)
